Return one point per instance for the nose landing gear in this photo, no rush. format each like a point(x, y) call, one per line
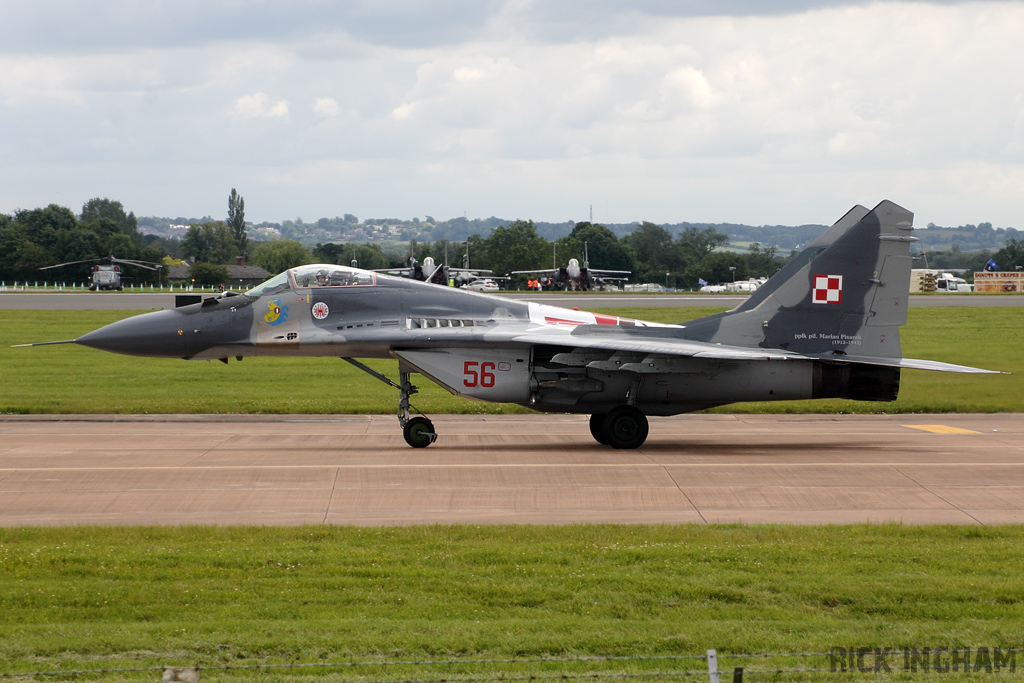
point(418, 431)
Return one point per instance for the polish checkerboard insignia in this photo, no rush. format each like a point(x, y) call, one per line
point(828, 289)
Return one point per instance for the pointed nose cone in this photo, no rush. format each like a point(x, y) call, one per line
point(159, 334)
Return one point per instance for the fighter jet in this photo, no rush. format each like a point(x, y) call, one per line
point(435, 273)
point(576, 277)
point(825, 326)
point(438, 273)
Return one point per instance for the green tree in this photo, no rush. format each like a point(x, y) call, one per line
point(653, 251)
point(80, 244)
point(208, 274)
point(121, 246)
point(368, 256)
point(604, 249)
point(1011, 256)
point(715, 268)
point(209, 243)
point(153, 254)
point(516, 246)
point(32, 239)
point(236, 221)
point(762, 262)
point(42, 227)
point(124, 223)
point(279, 255)
point(165, 247)
point(695, 244)
point(476, 248)
point(652, 245)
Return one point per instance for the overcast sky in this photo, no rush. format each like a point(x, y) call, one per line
point(703, 110)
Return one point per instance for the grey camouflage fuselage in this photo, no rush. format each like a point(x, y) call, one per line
point(826, 325)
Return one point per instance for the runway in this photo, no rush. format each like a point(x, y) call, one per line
point(527, 469)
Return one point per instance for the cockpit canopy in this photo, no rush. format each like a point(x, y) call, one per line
point(319, 275)
point(315, 275)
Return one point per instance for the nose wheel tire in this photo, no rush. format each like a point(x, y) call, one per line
point(419, 432)
point(597, 428)
point(625, 427)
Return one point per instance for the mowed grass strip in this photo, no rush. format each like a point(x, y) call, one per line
point(74, 379)
point(86, 597)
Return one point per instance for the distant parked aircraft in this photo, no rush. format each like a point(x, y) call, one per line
point(574, 276)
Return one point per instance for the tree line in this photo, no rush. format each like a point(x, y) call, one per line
point(650, 253)
point(35, 238)
point(31, 239)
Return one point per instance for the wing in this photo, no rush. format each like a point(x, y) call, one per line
point(544, 271)
point(470, 271)
point(608, 338)
point(600, 337)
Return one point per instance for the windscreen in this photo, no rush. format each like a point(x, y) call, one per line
point(274, 285)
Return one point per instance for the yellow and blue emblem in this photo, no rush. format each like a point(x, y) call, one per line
point(277, 314)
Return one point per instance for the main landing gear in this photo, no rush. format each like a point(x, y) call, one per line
point(418, 431)
point(623, 427)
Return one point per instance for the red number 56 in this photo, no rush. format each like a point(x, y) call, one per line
point(483, 378)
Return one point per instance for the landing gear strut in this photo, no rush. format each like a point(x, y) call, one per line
point(418, 431)
point(622, 427)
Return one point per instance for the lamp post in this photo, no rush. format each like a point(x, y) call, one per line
point(732, 269)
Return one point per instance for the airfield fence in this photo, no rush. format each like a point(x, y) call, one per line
point(839, 664)
point(63, 286)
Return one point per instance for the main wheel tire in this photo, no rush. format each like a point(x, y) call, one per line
point(419, 432)
point(597, 428)
point(625, 427)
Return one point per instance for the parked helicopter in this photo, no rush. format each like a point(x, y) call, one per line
point(574, 276)
point(108, 274)
point(825, 326)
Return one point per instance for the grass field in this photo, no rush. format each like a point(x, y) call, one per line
point(74, 379)
point(84, 598)
point(89, 598)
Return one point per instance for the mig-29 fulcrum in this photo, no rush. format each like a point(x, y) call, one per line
point(825, 326)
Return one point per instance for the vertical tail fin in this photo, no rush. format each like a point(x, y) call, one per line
point(846, 294)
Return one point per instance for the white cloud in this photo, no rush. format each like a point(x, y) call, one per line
point(325, 107)
point(258, 105)
point(537, 109)
point(467, 74)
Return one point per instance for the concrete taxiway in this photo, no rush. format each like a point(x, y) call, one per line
point(530, 469)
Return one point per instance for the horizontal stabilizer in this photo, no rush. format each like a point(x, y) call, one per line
point(915, 364)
